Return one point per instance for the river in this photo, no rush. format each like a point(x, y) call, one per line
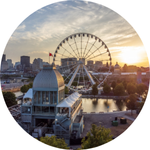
point(100, 105)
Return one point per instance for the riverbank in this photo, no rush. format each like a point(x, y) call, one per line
point(103, 96)
point(16, 89)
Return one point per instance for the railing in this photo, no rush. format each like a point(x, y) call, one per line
point(43, 113)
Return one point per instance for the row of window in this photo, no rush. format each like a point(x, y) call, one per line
point(45, 97)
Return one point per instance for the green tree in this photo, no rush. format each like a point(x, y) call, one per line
point(53, 141)
point(30, 85)
point(97, 136)
point(24, 89)
point(66, 90)
point(10, 98)
point(113, 84)
point(94, 89)
point(131, 88)
point(131, 102)
point(106, 89)
point(119, 90)
point(141, 88)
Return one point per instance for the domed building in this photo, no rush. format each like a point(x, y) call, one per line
point(117, 69)
point(49, 112)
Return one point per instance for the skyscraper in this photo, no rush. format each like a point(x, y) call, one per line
point(10, 65)
point(25, 61)
point(4, 57)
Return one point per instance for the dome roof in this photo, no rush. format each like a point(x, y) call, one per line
point(116, 66)
point(49, 77)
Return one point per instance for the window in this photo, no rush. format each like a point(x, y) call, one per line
point(39, 97)
point(55, 97)
point(45, 109)
point(47, 97)
point(51, 97)
point(43, 97)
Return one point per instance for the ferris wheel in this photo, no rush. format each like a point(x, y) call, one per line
point(74, 58)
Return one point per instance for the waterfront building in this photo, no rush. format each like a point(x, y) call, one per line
point(46, 111)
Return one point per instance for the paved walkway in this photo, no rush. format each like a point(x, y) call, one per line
point(127, 117)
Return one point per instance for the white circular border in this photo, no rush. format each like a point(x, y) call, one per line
point(12, 13)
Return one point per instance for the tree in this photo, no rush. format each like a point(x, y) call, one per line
point(106, 89)
point(30, 85)
point(66, 90)
point(131, 88)
point(97, 136)
point(119, 90)
point(94, 89)
point(24, 89)
point(53, 141)
point(131, 102)
point(10, 98)
point(113, 84)
point(141, 88)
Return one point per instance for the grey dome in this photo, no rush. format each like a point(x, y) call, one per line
point(49, 77)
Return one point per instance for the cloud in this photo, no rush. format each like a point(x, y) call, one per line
point(47, 27)
point(38, 52)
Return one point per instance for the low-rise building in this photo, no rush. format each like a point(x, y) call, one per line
point(46, 111)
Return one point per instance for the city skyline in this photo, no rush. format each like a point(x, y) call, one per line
point(43, 30)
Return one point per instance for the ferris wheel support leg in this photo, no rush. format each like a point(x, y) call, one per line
point(73, 76)
point(88, 74)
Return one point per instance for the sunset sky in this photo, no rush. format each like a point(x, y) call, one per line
point(43, 30)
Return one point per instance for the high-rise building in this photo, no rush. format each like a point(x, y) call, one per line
point(10, 65)
point(4, 63)
point(68, 61)
point(25, 61)
point(40, 63)
point(4, 66)
point(4, 57)
point(98, 64)
point(35, 65)
point(90, 64)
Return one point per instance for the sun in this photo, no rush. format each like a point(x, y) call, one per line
point(129, 56)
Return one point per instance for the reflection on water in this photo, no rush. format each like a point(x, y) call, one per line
point(102, 105)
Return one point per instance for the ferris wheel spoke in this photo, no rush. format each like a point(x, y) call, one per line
point(97, 55)
point(68, 51)
point(73, 76)
point(64, 68)
point(94, 51)
point(83, 76)
point(71, 56)
point(72, 48)
point(76, 46)
point(88, 74)
point(71, 72)
point(86, 47)
point(81, 46)
point(78, 81)
point(90, 48)
point(96, 79)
